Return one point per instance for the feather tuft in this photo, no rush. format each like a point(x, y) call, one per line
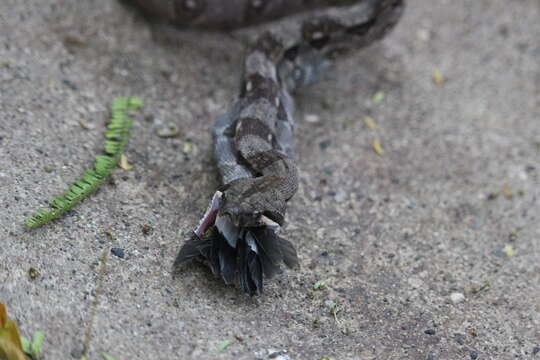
point(257, 255)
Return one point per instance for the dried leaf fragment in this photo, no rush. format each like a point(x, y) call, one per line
point(188, 147)
point(437, 77)
point(378, 97)
point(171, 132)
point(370, 123)
point(86, 125)
point(378, 147)
point(509, 250)
point(73, 41)
point(110, 234)
point(124, 162)
point(506, 191)
point(10, 339)
point(9, 351)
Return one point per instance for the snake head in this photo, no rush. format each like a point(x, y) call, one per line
point(247, 201)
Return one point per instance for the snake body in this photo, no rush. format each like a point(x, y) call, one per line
point(253, 141)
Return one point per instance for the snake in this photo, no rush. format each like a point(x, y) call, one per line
point(295, 43)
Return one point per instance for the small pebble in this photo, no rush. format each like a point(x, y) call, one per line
point(460, 338)
point(76, 353)
point(312, 118)
point(457, 297)
point(33, 273)
point(325, 144)
point(118, 252)
point(340, 196)
point(473, 355)
point(536, 350)
point(70, 84)
point(278, 354)
point(146, 229)
point(429, 332)
point(423, 35)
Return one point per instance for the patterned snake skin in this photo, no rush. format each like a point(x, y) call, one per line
point(253, 141)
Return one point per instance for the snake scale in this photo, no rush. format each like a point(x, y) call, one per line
point(253, 142)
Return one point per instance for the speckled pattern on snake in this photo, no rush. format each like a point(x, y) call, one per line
point(253, 142)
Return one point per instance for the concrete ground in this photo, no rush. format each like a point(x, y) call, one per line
point(430, 251)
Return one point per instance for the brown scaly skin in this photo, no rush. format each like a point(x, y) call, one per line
point(246, 199)
point(253, 141)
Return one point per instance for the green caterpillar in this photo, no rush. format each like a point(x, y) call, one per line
point(116, 136)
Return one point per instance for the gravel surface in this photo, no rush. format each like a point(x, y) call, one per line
point(428, 251)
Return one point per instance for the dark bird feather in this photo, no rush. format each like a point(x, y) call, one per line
point(227, 262)
point(290, 258)
point(257, 255)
